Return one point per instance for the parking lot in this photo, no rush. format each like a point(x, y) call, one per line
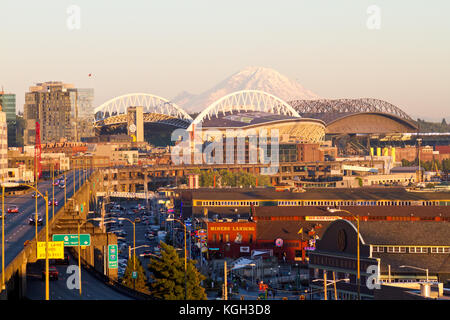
point(146, 230)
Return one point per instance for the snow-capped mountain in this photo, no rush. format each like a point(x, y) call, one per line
point(250, 78)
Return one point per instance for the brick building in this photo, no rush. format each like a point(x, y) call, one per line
point(389, 248)
point(279, 216)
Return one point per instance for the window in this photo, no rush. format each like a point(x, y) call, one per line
point(378, 249)
point(418, 250)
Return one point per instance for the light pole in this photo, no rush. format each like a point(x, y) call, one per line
point(412, 267)
point(225, 273)
point(331, 282)
point(53, 191)
point(419, 141)
point(65, 192)
point(185, 256)
point(3, 238)
point(332, 210)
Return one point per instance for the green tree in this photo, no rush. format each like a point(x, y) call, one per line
point(263, 180)
point(207, 178)
point(169, 277)
point(227, 178)
point(140, 283)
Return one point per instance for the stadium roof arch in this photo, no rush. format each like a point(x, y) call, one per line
point(364, 115)
point(245, 100)
point(151, 103)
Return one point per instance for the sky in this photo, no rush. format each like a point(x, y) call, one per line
point(168, 46)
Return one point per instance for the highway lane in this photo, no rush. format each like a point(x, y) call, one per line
point(17, 228)
point(17, 231)
point(92, 288)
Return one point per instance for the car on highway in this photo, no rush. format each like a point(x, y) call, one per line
point(123, 247)
point(137, 220)
point(146, 253)
point(50, 202)
point(150, 236)
point(32, 220)
point(120, 233)
point(35, 195)
point(55, 183)
point(62, 185)
point(13, 209)
point(52, 272)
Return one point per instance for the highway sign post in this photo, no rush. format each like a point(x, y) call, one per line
point(71, 240)
point(113, 261)
point(55, 250)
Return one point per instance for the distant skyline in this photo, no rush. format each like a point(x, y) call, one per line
point(166, 47)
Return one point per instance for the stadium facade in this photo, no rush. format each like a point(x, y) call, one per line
point(299, 121)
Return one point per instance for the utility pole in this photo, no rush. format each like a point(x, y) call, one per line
point(325, 284)
point(225, 287)
point(334, 281)
point(419, 141)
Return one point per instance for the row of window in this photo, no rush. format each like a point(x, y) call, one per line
point(321, 203)
point(229, 203)
point(222, 239)
point(421, 249)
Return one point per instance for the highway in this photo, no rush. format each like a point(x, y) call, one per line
point(18, 230)
point(92, 288)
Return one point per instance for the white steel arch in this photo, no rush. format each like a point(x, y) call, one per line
point(150, 102)
point(246, 100)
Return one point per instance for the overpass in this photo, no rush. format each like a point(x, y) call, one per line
point(135, 181)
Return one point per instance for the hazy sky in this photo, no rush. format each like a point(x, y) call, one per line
point(164, 47)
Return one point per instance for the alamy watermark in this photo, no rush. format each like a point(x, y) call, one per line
point(373, 281)
point(73, 21)
point(73, 281)
point(374, 19)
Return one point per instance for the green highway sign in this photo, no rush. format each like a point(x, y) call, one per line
point(113, 259)
point(134, 275)
point(71, 240)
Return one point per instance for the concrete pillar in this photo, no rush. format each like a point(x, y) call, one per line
point(23, 280)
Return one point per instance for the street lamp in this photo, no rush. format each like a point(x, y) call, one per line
point(225, 272)
point(411, 267)
point(185, 256)
point(333, 210)
point(331, 282)
point(419, 141)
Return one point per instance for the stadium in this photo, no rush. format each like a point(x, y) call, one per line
point(146, 117)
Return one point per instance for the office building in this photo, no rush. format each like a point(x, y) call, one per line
point(8, 104)
point(57, 107)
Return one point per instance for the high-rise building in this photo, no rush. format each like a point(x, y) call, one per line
point(8, 105)
point(82, 112)
point(82, 102)
point(57, 107)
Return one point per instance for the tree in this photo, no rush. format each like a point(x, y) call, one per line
point(140, 283)
point(169, 277)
